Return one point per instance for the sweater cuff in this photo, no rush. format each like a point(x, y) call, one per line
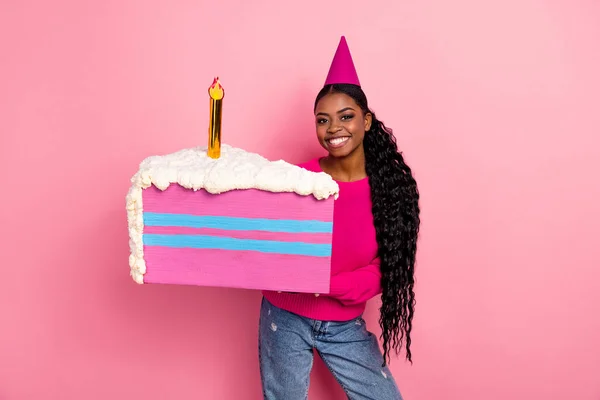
point(339, 286)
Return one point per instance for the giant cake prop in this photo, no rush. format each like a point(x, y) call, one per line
point(224, 217)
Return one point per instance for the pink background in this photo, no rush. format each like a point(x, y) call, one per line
point(497, 109)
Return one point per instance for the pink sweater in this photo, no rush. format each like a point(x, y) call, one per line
point(355, 274)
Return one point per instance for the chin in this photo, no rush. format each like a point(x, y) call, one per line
point(341, 153)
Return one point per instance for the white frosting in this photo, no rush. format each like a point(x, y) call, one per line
point(235, 169)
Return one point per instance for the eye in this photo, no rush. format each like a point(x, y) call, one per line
point(321, 121)
point(347, 117)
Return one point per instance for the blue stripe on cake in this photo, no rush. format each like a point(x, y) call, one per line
point(234, 223)
point(225, 243)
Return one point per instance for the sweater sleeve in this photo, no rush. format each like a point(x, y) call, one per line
point(357, 286)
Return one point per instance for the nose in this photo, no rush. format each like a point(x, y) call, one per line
point(333, 128)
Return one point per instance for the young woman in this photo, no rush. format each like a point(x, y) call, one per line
point(376, 224)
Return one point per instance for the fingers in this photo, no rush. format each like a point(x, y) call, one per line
point(279, 291)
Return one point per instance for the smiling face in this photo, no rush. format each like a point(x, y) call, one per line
point(341, 124)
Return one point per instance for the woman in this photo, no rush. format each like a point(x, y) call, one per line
point(376, 223)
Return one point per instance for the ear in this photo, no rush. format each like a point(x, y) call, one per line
point(368, 121)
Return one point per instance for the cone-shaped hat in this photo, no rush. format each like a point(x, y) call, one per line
point(342, 67)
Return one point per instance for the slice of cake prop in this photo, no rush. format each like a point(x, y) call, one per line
point(238, 221)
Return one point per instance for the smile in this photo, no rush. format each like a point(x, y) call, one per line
point(337, 142)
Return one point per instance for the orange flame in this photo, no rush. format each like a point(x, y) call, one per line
point(215, 91)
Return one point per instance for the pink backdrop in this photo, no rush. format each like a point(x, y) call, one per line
point(496, 106)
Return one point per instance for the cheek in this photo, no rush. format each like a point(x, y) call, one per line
point(321, 132)
point(358, 130)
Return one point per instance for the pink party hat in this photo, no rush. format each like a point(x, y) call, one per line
point(342, 67)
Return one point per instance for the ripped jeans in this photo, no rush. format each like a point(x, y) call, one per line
point(350, 351)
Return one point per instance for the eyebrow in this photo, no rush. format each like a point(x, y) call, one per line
point(339, 112)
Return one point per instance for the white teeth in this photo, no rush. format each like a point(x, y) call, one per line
point(337, 141)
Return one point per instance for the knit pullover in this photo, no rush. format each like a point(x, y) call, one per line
point(355, 273)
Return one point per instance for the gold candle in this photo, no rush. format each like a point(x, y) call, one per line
point(216, 93)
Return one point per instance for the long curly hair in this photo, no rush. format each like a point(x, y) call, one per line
point(395, 208)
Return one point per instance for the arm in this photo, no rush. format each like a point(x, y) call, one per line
point(356, 286)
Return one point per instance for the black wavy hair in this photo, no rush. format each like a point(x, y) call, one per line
point(395, 199)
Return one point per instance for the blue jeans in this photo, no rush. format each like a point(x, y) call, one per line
point(350, 351)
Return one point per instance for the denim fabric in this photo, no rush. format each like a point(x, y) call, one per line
point(350, 351)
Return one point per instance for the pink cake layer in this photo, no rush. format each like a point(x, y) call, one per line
point(236, 269)
point(294, 260)
point(249, 203)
